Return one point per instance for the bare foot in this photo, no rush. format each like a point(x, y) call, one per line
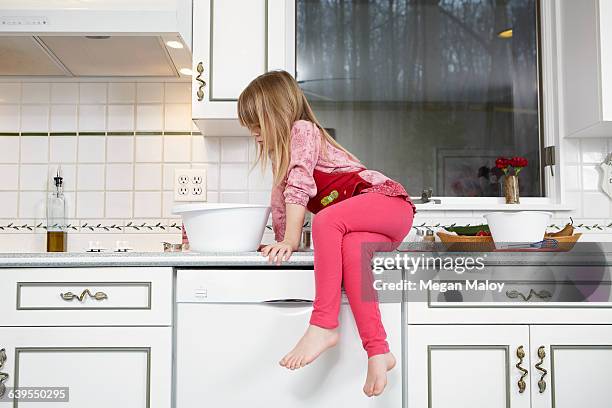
point(315, 341)
point(376, 381)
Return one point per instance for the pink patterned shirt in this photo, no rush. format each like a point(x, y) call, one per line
point(299, 186)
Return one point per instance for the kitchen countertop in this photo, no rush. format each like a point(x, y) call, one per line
point(587, 254)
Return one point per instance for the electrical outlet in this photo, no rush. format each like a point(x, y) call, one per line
point(189, 185)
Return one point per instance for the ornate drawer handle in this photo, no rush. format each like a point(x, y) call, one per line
point(543, 294)
point(538, 366)
point(3, 376)
point(200, 69)
point(70, 296)
point(520, 353)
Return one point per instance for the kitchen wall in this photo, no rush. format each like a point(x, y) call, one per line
point(119, 143)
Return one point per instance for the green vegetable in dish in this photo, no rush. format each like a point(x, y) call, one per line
point(470, 230)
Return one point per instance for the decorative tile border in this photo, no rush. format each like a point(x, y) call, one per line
point(161, 226)
point(173, 226)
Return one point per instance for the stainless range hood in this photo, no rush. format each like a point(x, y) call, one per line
point(95, 38)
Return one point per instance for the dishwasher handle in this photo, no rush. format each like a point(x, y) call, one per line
point(288, 302)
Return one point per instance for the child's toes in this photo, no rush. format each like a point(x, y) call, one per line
point(379, 385)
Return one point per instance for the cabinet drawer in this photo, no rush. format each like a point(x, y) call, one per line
point(85, 296)
point(517, 294)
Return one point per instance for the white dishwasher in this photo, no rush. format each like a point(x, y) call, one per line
point(233, 326)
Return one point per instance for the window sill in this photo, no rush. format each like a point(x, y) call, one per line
point(492, 204)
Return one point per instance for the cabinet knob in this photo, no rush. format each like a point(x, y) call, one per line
point(538, 366)
point(3, 376)
point(200, 69)
point(520, 353)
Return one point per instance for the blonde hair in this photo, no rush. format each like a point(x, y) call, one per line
point(273, 102)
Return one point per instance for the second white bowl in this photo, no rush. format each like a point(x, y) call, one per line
point(523, 227)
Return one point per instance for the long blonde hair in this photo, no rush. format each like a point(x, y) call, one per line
point(272, 102)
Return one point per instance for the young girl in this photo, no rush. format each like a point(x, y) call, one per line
point(353, 205)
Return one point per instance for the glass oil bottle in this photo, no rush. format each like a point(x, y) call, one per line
point(57, 238)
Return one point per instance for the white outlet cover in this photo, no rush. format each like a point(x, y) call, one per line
point(194, 189)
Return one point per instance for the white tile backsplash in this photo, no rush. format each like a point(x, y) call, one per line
point(120, 118)
point(10, 93)
point(178, 92)
point(119, 204)
point(150, 92)
point(92, 118)
point(147, 204)
point(91, 149)
point(122, 92)
point(34, 118)
point(593, 150)
point(590, 178)
point(149, 117)
point(233, 176)
point(234, 149)
point(32, 204)
point(92, 92)
point(120, 176)
point(148, 176)
point(63, 149)
point(177, 148)
point(33, 177)
point(9, 118)
point(9, 204)
point(149, 148)
point(34, 149)
point(63, 118)
point(9, 149)
point(120, 149)
point(177, 117)
point(9, 177)
point(90, 204)
point(90, 177)
point(36, 92)
point(65, 92)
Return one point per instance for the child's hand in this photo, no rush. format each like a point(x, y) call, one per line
point(277, 253)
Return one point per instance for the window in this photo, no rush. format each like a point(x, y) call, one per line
point(430, 92)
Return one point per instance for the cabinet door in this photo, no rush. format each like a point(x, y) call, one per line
point(576, 366)
point(466, 366)
point(234, 41)
point(101, 367)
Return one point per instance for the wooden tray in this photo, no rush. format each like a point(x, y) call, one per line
point(463, 243)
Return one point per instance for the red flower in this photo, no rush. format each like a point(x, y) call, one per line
point(502, 163)
point(518, 162)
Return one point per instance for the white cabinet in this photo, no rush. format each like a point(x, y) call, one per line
point(578, 364)
point(564, 366)
point(466, 366)
point(233, 42)
point(101, 366)
point(105, 333)
point(585, 64)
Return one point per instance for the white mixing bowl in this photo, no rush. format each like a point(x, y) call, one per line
point(523, 227)
point(223, 227)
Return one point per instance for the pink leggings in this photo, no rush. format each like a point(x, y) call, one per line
point(338, 233)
